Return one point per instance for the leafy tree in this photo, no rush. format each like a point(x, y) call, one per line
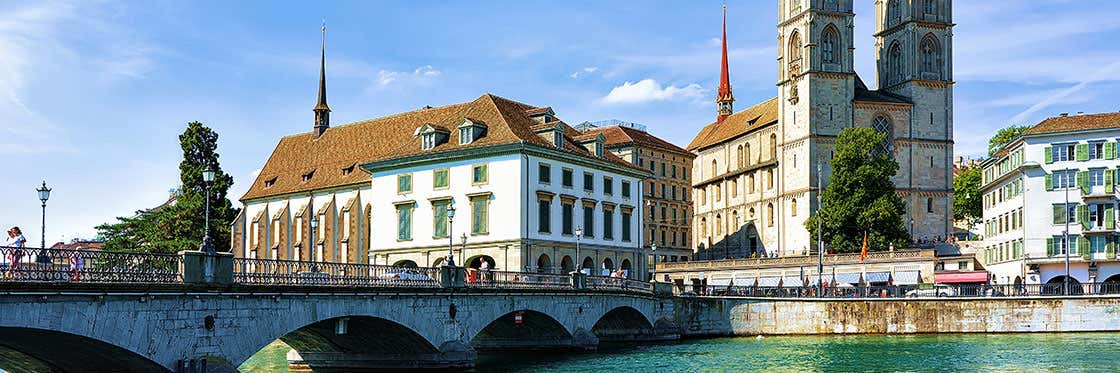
point(860, 196)
point(966, 195)
point(181, 226)
point(1005, 136)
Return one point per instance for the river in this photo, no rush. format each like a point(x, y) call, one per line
point(1088, 352)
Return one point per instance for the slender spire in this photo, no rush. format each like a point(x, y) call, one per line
point(322, 111)
point(724, 98)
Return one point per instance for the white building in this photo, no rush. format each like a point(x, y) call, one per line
point(1025, 188)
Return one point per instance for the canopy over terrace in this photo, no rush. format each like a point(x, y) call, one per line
point(961, 277)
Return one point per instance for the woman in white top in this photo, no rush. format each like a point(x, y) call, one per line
point(15, 250)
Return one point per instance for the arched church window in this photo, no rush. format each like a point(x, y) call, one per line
point(719, 226)
point(747, 152)
point(894, 65)
point(714, 169)
point(793, 207)
point(735, 187)
point(773, 146)
point(931, 58)
point(830, 45)
point(739, 156)
point(704, 227)
point(883, 125)
point(794, 52)
point(750, 213)
point(770, 214)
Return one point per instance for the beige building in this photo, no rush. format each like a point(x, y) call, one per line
point(755, 174)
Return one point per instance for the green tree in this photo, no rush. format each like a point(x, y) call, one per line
point(860, 197)
point(966, 195)
point(180, 226)
point(1005, 136)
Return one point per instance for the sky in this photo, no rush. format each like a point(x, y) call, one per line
point(93, 94)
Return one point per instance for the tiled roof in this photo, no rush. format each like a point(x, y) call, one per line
point(393, 137)
point(862, 94)
point(621, 136)
point(1076, 123)
point(762, 114)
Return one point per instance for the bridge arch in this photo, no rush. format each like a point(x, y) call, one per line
point(512, 330)
point(68, 352)
point(622, 323)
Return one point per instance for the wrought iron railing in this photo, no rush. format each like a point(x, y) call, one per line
point(800, 260)
point(906, 291)
point(87, 266)
point(290, 272)
point(617, 283)
point(516, 280)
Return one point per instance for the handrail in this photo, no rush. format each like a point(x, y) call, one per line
point(798, 260)
point(28, 264)
point(905, 291)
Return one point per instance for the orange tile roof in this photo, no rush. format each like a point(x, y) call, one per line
point(1076, 123)
point(621, 136)
point(393, 137)
point(762, 114)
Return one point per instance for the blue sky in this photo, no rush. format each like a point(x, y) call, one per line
point(93, 94)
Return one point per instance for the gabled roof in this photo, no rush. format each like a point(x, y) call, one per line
point(618, 136)
point(1076, 123)
point(394, 137)
point(737, 124)
point(862, 94)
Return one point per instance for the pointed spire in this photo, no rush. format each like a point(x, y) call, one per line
point(322, 111)
point(724, 98)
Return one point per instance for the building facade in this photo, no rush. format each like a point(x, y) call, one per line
point(1025, 190)
point(755, 174)
point(666, 194)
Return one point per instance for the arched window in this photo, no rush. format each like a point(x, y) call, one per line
point(719, 192)
point(704, 227)
point(703, 195)
point(894, 64)
point(750, 213)
point(739, 156)
point(929, 204)
point(735, 220)
point(883, 125)
point(719, 226)
point(734, 187)
point(794, 52)
point(750, 183)
point(931, 58)
point(715, 171)
point(770, 179)
point(747, 152)
point(793, 207)
point(931, 7)
point(773, 146)
point(830, 45)
point(769, 214)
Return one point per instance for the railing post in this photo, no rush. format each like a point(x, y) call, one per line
point(201, 268)
point(579, 280)
point(452, 277)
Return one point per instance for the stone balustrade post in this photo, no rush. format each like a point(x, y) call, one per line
point(200, 268)
point(579, 280)
point(452, 277)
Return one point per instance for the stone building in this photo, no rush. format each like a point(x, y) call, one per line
point(666, 196)
point(382, 190)
point(755, 175)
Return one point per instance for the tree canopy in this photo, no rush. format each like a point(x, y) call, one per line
point(1005, 136)
point(966, 195)
point(860, 197)
point(181, 225)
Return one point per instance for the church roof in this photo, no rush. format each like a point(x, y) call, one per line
point(618, 136)
point(737, 124)
point(1081, 122)
point(330, 159)
point(862, 94)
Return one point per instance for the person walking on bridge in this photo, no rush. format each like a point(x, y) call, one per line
point(15, 245)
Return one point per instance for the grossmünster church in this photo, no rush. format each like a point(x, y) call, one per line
point(755, 176)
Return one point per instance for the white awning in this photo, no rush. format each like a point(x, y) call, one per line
point(847, 278)
point(744, 282)
point(907, 277)
point(769, 281)
point(827, 278)
point(719, 281)
point(792, 282)
point(870, 277)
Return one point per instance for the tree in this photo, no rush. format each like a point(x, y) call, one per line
point(966, 195)
point(1005, 136)
point(181, 226)
point(860, 197)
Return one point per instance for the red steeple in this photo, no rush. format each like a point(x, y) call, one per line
point(724, 98)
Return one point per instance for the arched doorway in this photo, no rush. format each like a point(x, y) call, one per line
point(566, 264)
point(626, 268)
point(544, 264)
point(1055, 285)
point(607, 268)
point(1111, 285)
point(588, 265)
point(753, 243)
point(476, 261)
point(405, 264)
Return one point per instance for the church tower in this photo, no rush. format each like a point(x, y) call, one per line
point(724, 98)
point(914, 58)
point(322, 111)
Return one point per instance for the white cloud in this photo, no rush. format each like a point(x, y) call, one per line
point(387, 77)
point(648, 90)
point(1104, 73)
point(585, 71)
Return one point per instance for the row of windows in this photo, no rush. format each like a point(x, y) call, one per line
point(669, 214)
point(1004, 193)
point(1009, 163)
point(480, 174)
point(1099, 149)
point(544, 176)
point(479, 217)
point(1090, 216)
point(734, 187)
point(1004, 251)
point(665, 194)
point(672, 237)
point(672, 168)
point(735, 219)
point(567, 220)
point(1083, 179)
point(743, 155)
point(1006, 222)
point(1080, 245)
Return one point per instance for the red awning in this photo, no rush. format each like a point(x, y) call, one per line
point(959, 277)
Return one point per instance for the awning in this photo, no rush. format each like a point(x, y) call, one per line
point(769, 281)
point(744, 282)
point(792, 282)
point(907, 277)
point(847, 278)
point(959, 277)
point(827, 278)
point(721, 281)
point(870, 277)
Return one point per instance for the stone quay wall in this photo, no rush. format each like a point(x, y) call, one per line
point(737, 316)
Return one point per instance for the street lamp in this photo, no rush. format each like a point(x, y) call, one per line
point(44, 194)
point(463, 250)
point(820, 232)
point(653, 248)
point(207, 243)
point(912, 238)
point(314, 245)
point(579, 259)
point(450, 237)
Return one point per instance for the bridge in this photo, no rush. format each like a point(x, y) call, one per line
point(101, 311)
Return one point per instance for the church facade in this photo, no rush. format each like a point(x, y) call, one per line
point(756, 171)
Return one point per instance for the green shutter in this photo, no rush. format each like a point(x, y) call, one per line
point(1110, 248)
point(1109, 217)
point(1059, 214)
point(1082, 247)
point(1049, 181)
point(1049, 155)
point(1083, 216)
point(1081, 151)
point(1083, 181)
point(1110, 150)
point(1109, 180)
point(1050, 246)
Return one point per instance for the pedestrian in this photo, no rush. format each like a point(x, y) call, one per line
point(76, 264)
point(15, 244)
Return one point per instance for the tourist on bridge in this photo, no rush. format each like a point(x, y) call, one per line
point(76, 264)
point(15, 245)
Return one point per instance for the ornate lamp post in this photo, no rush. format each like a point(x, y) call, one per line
point(653, 248)
point(450, 262)
point(314, 245)
point(463, 250)
point(579, 259)
point(207, 243)
point(44, 195)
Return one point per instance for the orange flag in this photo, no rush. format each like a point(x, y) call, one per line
point(863, 252)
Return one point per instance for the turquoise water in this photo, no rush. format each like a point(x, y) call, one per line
point(1097, 352)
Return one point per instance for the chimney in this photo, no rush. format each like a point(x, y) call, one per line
point(1063, 115)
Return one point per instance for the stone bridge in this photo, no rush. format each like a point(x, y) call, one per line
point(332, 331)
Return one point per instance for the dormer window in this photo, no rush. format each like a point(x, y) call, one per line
point(470, 130)
point(432, 136)
point(347, 170)
point(598, 149)
point(307, 176)
point(270, 182)
point(558, 139)
point(429, 141)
